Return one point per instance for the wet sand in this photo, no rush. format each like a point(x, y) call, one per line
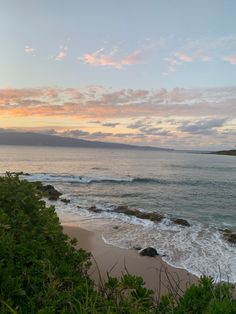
point(114, 261)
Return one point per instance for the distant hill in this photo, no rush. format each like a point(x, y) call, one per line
point(231, 152)
point(37, 139)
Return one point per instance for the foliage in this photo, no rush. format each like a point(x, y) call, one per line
point(41, 271)
point(204, 298)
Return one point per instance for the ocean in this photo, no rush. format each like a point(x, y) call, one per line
point(199, 188)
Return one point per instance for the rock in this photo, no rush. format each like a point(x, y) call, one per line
point(116, 227)
point(226, 230)
point(137, 247)
point(20, 173)
point(64, 200)
point(180, 221)
point(155, 217)
point(231, 238)
point(229, 235)
point(124, 209)
point(149, 251)
point(94, 209)
point(50, 191)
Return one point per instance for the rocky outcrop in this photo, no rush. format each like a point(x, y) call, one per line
point(149, 251)
point(124, 209)
point(155, 217)
point(49, 191)
point(65, 200)
point(94, 209)
point(180, 221)
point(231, 238)
point(229, 235)
point(20, 173)
point(137, 248)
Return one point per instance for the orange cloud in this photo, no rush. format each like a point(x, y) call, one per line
point(167, 116)
point(61, 54)
point(125, 103)
point(99, 58)
point(230, 59)
point(9, 95)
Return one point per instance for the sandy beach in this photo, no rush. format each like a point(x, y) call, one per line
point(115, 261)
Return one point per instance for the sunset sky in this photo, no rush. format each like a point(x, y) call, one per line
point(154, 72)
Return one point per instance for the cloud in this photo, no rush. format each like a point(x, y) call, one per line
point(203, 126)
point(136, 125)
point(158, 117)
point(230, 59)
point(148, 127)
point(125, 103)
point(75, 133)
point(111, 58)
point(183, 57)
point(62, 53)
point(30, 50)
point(111, 124)
point(202, 49)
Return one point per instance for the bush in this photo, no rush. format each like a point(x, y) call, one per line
point(40, 268)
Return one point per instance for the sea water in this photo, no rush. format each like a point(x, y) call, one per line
point(200, 188)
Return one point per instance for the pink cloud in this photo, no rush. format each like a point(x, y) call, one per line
point(99, 58)
point(184, 57)
point(125, 103)
point(230, 59)
point(30, 50)
point(164, 114)
point(61, 54)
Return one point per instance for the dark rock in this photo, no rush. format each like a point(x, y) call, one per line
point(116, 227)
point(229, 235)
point(231, 238)
point(137, 247)
point(64, 200)
point(20, 173)
point(124, 209)
point(180, 221)
point(94, 209)
point(226, 230)
point(49, 191)
point(149, 251)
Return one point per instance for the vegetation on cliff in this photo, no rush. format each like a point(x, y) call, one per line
point(41, 271)
point(231, 152)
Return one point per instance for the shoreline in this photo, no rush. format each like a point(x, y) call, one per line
point(108, 260)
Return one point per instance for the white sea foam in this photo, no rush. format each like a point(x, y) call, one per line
point(196, 249)
point(45, 177)
point(200, 249)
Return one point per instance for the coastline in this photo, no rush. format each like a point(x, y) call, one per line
point(114, 261)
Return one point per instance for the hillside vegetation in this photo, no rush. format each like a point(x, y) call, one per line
point(41, 271)
point(231, 152)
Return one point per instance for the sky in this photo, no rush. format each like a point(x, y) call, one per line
point(145, 72)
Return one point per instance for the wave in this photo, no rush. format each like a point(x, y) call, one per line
point(200, 249)
point(54, 178)
point(44, 177)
